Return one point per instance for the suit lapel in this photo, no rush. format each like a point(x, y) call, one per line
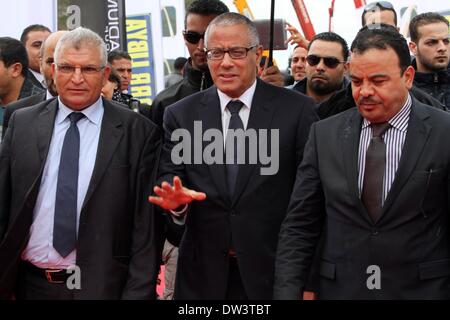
point(261, 113)
point(45, 124)
point(110, 135)
point(416, 137)
point(350, 136)
point(209, 114)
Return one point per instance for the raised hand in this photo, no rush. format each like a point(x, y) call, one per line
point(296, 37)
point(172, 197)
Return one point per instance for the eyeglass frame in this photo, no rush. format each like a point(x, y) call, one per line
point(386, 5)
point(197, 34)
point(89, 70)
point(247, 49)
point(328, 64)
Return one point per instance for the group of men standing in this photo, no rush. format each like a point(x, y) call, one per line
point(90, 190)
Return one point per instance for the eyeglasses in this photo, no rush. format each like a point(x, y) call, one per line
point(381, 4)
point(330, 62)
point(235, 52)
point(69, 69)
point(192, 36)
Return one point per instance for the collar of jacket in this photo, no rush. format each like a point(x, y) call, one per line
point(196, 78)
point(442, 76)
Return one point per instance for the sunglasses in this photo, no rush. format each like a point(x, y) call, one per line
point(192, 36)
point(380, 4)
point(330, 62)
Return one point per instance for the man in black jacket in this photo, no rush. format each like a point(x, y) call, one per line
point(431, 47)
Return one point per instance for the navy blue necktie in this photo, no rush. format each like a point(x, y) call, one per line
point(65, 224)
point(374, 171)
point(235, 123)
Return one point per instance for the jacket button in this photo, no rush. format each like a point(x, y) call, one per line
point(233, 212)
point(374, 232)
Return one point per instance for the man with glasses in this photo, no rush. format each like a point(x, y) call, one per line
point(231, 211)
point(74, 175)
point(325, 66)
point(196, 74)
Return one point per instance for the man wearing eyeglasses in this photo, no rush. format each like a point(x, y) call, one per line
point(196, 73)
point(74, 175)
point(231, 211)
point(325, 67)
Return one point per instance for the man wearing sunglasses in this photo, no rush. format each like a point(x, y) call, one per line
point(325, 66)
point(196, 74)
point(379, 12)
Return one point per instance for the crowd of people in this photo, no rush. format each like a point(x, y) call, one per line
point(243, 186)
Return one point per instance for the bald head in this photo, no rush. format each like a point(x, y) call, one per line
point(47, 53)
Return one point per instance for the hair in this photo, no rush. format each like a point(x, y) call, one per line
point(13, 51)
point(231, 19)
point(331, 37)
point(117, 55)
point(205, 8)
point(363, 16)
point(80, 37)
point(383, 37)
point(114, 76)
point(179, 63)
point(30, 28)
point(424, 19)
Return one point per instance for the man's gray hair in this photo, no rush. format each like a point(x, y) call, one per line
point(79, 38)
point(231, 19)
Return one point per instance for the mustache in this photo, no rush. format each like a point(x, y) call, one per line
point(368, 100)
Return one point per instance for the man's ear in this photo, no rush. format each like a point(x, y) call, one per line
point(413, 47)
point(15, 69)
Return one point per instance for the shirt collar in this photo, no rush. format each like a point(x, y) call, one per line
point(246, 98)
point(93, 113)
point(400, 120)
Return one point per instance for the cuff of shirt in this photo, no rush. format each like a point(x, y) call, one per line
point(179, 216)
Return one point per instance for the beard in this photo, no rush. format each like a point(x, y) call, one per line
point(432, 65)
point(322, 88)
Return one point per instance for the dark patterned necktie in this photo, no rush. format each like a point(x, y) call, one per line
point(65, 224)
point(235, 123)
point(372, 191)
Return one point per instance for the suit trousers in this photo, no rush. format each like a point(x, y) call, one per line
point(235, 287)
point(32, 286)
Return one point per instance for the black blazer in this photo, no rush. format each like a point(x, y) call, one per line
point(19, 104)
point(117, 251)
point(251, 218)
point(410, 240)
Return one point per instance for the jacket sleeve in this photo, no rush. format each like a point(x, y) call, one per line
point(148, 227)
point(301, 228)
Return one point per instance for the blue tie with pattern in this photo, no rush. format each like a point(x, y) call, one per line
point(65, 222)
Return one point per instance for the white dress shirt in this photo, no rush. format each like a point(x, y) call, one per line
point(246, 98)
point(39, 250)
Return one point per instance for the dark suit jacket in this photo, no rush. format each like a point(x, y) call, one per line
point(252, 217)
point(19, 104)
point(410, 240)
point(117, 249)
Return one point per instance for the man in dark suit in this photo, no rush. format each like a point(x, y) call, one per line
point(374, 188)
point(47, 58)
point(231, 229)
point(74, 175)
